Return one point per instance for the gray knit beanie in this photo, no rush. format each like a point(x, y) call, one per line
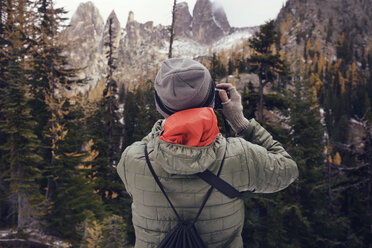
point(182, 84)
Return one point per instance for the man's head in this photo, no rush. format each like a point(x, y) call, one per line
point(182, 84)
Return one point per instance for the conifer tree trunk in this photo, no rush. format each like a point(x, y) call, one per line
point(172, 29)
point(21, 206)
point(329, 189)
point(54, 118)
point(17, 175)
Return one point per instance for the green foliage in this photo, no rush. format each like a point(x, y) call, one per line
point(307, 132)
point(102, 173)
point(265, 63)
point(110, 103)
point(291, 217)
point(108, 233)
point(107, 183)
point(114, 232)
point(74, 194)
point(139, 113)
point(217, 68)
point(19, 159)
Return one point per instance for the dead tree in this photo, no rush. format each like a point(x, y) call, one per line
point(171, 29)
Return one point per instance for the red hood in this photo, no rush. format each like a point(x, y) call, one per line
point(191, 127)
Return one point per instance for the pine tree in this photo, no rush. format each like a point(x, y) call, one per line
point(44, 86)
point(110, 103)
point(130, 117)
point(3, 137)
point(107, 183)
point(290, 218)
point(264, 62)
point(114, 230)
point(18, 148)
point(73, 200)
point(69, 193)
point(105, 129)
point(139, 113)
point(217, 68)
point(50, 79)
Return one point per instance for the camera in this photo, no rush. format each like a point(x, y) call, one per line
point(217, 99)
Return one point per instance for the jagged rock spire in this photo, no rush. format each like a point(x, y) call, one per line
point(183, 21)
point(209, 22)
point(87, 15)
point(115, 26)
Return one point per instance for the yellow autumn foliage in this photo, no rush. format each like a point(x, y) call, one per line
point(94, 235)
point(352, 75)
point(337, 159)
point(330, 159)
point(316, 82)
point(342, 82)
point(92, 154)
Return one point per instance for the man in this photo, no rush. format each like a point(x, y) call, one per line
point(187, 142)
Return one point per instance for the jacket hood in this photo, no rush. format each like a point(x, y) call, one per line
point(191, 127)
point(182, 159)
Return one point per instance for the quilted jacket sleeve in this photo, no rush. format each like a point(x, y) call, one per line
point(270, 167)
point(122, 170)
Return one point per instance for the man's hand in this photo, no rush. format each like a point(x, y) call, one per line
point(222, 93)
point(232, 108)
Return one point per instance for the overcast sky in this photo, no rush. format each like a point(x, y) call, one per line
point(240, 13)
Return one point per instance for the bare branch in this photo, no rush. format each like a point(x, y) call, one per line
point(355, 184)
point(348, 168)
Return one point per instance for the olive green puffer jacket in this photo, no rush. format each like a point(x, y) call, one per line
point(253, 162)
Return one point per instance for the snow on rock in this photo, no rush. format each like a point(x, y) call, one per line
point(232, 40)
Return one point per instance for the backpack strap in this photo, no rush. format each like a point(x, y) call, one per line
point(209, 191)
point(160, 184)
point(221, 185)
point(166, 196)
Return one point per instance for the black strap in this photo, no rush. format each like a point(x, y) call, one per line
point(159, 183)
point(210, 190)
point(166, 196)
point(221, 185)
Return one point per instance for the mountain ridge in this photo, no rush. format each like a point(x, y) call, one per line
point(140, 47)
point(322, 24)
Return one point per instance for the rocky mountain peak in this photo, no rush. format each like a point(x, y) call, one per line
point(132, 31)
point(87, 15)
point(116, 29)
point(209, 22)
point(140, 47)
point(112, 15)
point(183, 21)
point(221, 18)
point(130, 17)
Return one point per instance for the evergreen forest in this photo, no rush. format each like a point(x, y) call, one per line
point(58, 152)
